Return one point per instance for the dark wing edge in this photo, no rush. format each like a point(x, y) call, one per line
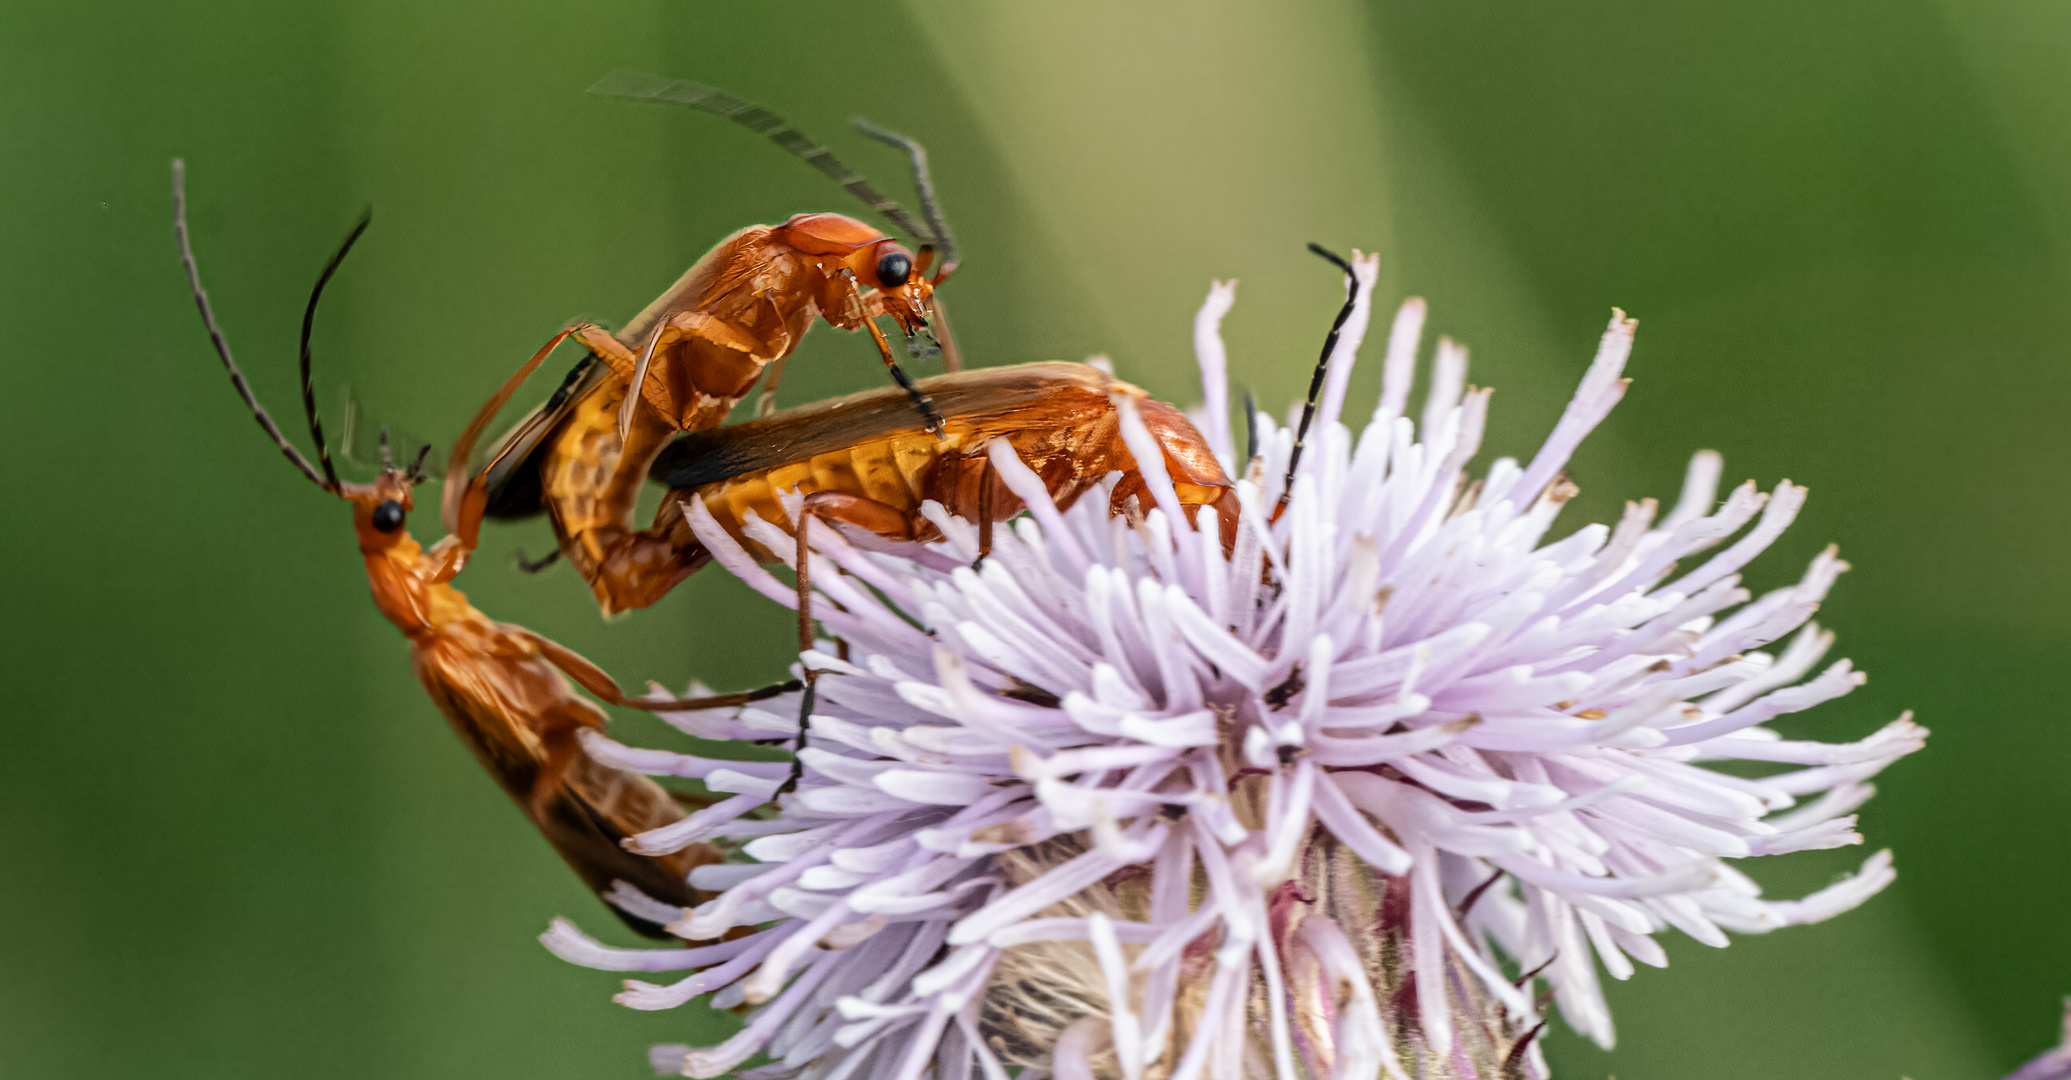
point(705, 457)
point(588, 840)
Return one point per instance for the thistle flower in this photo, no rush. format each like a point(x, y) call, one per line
point(1119, 804)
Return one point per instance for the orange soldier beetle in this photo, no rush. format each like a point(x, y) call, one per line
point(504, 689)
point(861, 461)
point(698, 349)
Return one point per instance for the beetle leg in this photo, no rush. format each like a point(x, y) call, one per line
point(1132, 486)
point(534, 566)
point(766, 401)
point(930, 416)
point(803, 561)
point(869, 515)
point(465, 500)
point(594, 679)
point(986, 478)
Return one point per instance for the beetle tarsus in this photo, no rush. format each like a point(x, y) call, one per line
point(534, 566)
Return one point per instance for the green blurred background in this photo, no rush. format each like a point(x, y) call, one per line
point(236, 840)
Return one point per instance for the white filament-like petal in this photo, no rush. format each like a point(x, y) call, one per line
point(1400, 365)
point(1215, 365)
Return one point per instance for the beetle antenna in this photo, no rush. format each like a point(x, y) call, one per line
point(387, 462)
point(654, 88)
point(1250, 427)
point(316, 424)
point(415, 472)
point(222, 344)
point(1330, 342)
point(923, 185)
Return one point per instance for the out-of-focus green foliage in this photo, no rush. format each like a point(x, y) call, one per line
point(238, 841)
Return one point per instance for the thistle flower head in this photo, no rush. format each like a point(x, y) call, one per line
point(1120, 803)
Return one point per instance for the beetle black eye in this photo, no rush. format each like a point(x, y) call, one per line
point(388, 517)
point(893, 269)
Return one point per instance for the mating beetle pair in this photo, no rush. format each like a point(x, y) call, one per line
point(867, 461)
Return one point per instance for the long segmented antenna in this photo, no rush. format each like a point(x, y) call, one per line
point(924, 186)
point(316, 424)
point(416, 470)
point(654, 88)
point(1330, 342)
point(1250, 427)
point(938, 223)
point(222, 344)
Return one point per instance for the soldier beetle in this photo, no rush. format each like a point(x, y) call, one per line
point(862, 462)
point(698, 349)
point(504, 689)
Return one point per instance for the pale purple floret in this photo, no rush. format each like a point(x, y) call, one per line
point(2051, 1064)
point(1402, 670)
